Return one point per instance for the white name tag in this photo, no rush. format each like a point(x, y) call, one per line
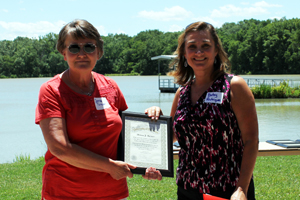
point(214, 97)
point(101, 103)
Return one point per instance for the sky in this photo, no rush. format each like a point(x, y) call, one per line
point(36, 18)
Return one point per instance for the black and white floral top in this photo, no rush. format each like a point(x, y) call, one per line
point(210, 139)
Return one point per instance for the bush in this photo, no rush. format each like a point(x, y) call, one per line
point(22, 158)
point(281, 91)
point(261, 91)
point(265, 91)
point(296, 94)
point(277, 92)
point(256, 91)
point(13, 76)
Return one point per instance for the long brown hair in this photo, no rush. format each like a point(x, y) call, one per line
point(184, 74)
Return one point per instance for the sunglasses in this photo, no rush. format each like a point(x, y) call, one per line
point(88, 48)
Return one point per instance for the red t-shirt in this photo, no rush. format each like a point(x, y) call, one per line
point(93, 122)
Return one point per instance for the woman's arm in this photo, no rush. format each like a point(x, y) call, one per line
point(243, 105)
point(154, 112)
point(173, 109)
point(55, 134)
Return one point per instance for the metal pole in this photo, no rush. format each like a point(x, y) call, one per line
point(158, 73)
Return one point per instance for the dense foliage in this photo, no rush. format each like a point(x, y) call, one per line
point(253, 46)
point(263, 47)
point(281, 91)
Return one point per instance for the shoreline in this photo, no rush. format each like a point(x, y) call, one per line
point(242, 75)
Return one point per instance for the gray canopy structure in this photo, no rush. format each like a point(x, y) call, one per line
point(165, 84)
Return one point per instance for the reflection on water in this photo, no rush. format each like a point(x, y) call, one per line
point(142, 92)
point(278, 118)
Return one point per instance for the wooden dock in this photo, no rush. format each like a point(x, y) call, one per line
point(267, 149)
point(264, 149)
point(167, 85)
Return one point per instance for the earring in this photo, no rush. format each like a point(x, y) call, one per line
point(215, 61)
point(185, 64)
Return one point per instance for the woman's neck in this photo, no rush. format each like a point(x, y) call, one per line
point(82, 83)
point(80, 79)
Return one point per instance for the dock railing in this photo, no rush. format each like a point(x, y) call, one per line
point(252, 82)
point(168, 85)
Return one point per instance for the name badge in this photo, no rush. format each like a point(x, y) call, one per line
point(101, 103)
point(214, 97)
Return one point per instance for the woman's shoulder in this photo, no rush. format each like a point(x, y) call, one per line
point(236, 79)
point(233, 78)
point(239, 85)
point(104, 80)
point(51, 88)
point(102, 77)
point(183, 89)
point(52, 82)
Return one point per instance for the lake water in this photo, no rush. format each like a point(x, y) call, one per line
point(278, 118)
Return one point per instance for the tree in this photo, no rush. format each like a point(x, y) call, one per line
point(253, 46)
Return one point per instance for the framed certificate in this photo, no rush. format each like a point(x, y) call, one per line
point(146, 143)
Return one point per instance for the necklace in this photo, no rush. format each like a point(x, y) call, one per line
point(91, 90)
point(77, 89)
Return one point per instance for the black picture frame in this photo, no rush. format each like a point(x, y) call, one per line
point(163, 124)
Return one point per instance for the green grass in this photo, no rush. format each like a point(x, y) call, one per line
point(275, 177)
point(21, 179)
point(166, 189)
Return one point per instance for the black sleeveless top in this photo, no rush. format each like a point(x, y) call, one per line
point(210, 139)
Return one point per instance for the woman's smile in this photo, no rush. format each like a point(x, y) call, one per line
point(200, 50)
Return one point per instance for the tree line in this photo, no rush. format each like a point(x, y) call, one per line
point(253, 47)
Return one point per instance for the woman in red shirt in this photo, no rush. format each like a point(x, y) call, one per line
point(78, 112)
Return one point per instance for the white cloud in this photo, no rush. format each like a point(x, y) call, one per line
point(31, 30)
point(121, 32)
point(265, 4)
point(175, 28)
point(216, 24)
point(208, 20)
point(176, 13)
point(279, 18)
point(245, 3)
point(230, 10)
point(101, 30)
point(4, 10)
